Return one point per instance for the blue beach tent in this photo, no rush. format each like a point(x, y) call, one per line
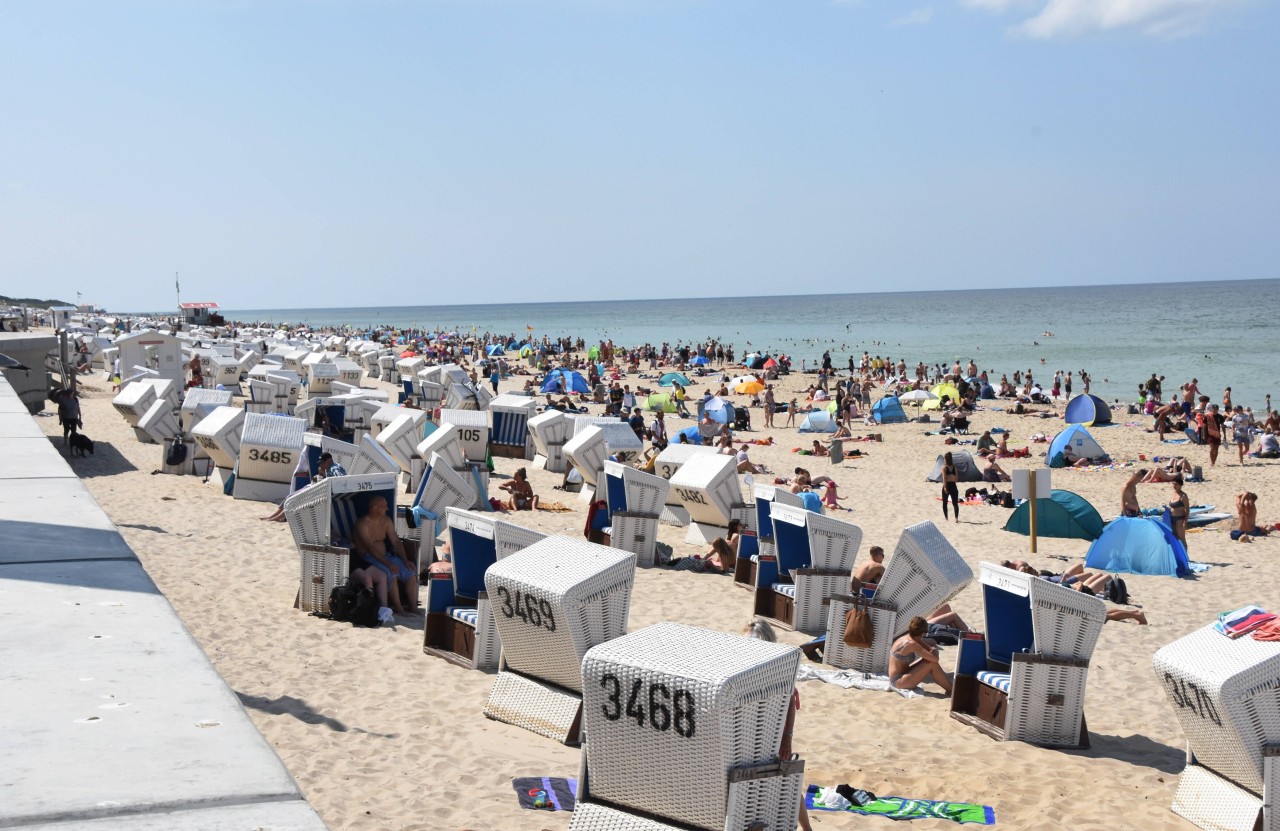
point(573, 381)
point(689, 435)
point(818, 421)
point(1138, 545)
point(1064, 514)
point(888, 411)
point(1087, 410)
point(1083, 446)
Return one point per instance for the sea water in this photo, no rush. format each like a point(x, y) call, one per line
point(1217, 332)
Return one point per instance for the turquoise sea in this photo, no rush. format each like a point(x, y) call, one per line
point(1218, 332)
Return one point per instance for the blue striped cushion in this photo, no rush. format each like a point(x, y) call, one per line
point(999, 680)
point(755, 558)
point(789, 589)
point(466, 614)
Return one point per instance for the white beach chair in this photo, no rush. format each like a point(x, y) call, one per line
point(473, 431)
point(269, 448)
point(320, 378)
point(1223, 691)
point(635, 500)
point(460, 626)
point(684, 726)
point(467, 396)
point(708, 487)
point(159, 423)
point(441, 488)
point(132, 402)
point(371, 458)
point(199, 403)
point(401, 437)
point(218, 436)
point(586, 452)
point(224, 372)
point(550, 431)
point(349, 373)
point(509, 428)
point(766, 496)
point(344, 453)
point(813, 560)
point(552, 602)
point(925, 572)
point(668, 462)
point(1026, 681)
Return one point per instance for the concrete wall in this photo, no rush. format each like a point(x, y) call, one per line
point(28, 349)
point(113, 717)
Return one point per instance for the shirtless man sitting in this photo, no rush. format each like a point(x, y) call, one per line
point(378, 547)
point(1247, 513)
point(872, 571)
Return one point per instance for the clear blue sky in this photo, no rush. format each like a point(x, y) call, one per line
point(331, 153)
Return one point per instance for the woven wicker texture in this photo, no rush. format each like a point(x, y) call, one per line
point(586, 452)
point(811, 589)
point(269, 447)
point(1065, 623)
point(134, 400)
point(1046, 703)
point(386, 414)
point(408, 367)
point(1215, 803)
point(645, 493)
point(444, 441)
point(473, 431)
point(875, 658)
point(467, 396)
point(344, 453)
point(1226, 694)
point(925, 572)
point(555, 600)
point(432, 394)
point(704, 702)
point(310, 513)
point(592, 817)
point(524, 702)
point(674, 457)
point(637, 533)
point(199, 403)
point(620, 440)
point(164, 387)
point(322, 570)
point(219, 434)
point(159, 422)
point(833, 543)
point(708, 486)
point(582, 422)
point(549, 428)
point(443, 488)
point(400, 438)
point(371, 458)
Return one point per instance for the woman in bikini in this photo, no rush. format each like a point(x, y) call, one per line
point(914, 659)
point(950, 488)
point(723, 555)
point(522, 495)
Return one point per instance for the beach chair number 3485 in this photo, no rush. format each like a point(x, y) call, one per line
point(531, 610)
point(661, 716)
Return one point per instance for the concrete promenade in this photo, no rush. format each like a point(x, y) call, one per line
point(112, 715)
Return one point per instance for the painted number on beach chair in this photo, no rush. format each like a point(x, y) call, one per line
point(691, 496)
point(533, 611)
point(1187, 694)
point(275, 457)
point(666, 471)
point(469, 434)
point(661, 716)
point(207, 443)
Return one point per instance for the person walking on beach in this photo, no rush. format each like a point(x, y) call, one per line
point(950, 487)
point(1213, 422)
point(1240, 431)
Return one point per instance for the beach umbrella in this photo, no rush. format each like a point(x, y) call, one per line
point(573, 381)
point(918, 397)
point(660, 401)
point(718, 409)
point(749, 387)
point(940, 390)
point(700, 361)
point(673, 378)
point(741, 379)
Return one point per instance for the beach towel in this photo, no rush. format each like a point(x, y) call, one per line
point(896, 807)
point(1267, 632)
point(560, 792)
point(1242, 621)
point(852, 678)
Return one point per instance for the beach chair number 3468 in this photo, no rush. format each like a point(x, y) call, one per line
point(531, 610)
point(680, 713)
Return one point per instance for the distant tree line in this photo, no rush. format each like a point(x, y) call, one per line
point(32, 301)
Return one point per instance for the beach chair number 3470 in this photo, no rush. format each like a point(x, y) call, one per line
point(680, 713)
point(531, 610)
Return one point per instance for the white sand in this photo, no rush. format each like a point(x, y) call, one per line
point(381, 736)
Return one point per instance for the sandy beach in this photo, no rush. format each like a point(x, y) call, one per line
point(381, 736)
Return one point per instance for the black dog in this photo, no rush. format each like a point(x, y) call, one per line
point(81, 442)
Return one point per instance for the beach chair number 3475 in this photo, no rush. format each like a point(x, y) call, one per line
point(531, 610)
point(680, 713)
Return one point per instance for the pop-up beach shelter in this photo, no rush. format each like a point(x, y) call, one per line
point(1087, 410)
point(966, 470)
point(818, 421)
point(660, 401)
point(1083, 446)
point(949, 390)
point(1064, 514)
point(1138, 545)
point(573, 381)
point(888, 411)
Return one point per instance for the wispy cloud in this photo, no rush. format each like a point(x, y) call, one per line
point(1072, 18)
point(917, 17)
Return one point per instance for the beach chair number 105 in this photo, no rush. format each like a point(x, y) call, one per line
point(531, 610)
point(661, 717)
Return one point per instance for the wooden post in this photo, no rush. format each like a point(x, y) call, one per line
point(1031, 484)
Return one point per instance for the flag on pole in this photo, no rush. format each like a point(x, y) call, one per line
point(529, 328)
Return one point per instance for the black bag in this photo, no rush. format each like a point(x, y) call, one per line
point(177, 452)
point(1006, 500)
point(341, 601)
point(355, 603)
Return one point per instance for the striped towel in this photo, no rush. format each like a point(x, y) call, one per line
point(1242, 621)
point(561, 793)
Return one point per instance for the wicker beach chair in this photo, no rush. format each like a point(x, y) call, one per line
point(371, 458)
point(322, 519)
point(550, 431)
point(708, 487)
point(924, 573)
point(317, 444)
point(400, 438)
point(473, 431)
point(509, 429)
point(552, 602)
point(441, 488)
point(218, 434)
point(132, 402)
point(269, 448)
point(635, 500)
point(766, 496)
point(668, 462)
point(1224, 692)
point(199, 403)
point(159, 423)
point(460, 626)
point(1026, 680)
point(813, 560)
point(467, 396)
point(685, 726)
point(586, 452)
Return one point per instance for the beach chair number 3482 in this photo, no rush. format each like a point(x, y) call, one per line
point(531, 610)
point(661, 716)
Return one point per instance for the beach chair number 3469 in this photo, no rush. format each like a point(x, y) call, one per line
point(531, 610)
point(680, 713)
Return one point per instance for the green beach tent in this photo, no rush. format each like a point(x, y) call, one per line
point(660, 401)
point(1064, 514)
